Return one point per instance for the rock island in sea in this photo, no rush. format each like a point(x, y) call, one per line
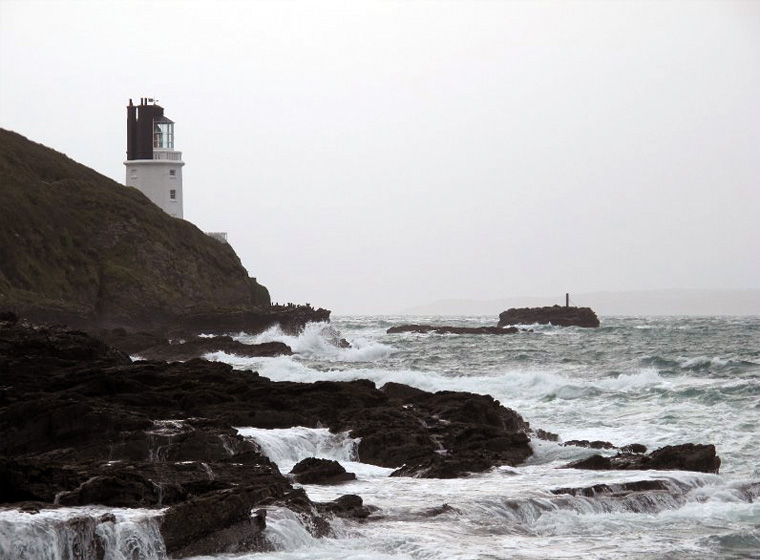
point(554, 315)
point(567, 316)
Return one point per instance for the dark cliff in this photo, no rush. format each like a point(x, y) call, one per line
point(79, 248)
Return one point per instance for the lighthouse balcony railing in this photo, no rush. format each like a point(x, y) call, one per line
point(171, 155)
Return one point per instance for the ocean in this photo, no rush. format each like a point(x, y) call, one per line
point(650, 380)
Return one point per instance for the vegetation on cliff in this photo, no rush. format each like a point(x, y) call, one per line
point(79, 248)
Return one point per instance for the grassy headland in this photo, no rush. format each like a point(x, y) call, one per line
point(80, 248)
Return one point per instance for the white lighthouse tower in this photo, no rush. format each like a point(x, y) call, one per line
point(153, 165)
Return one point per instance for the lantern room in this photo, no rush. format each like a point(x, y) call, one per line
point(163, 134)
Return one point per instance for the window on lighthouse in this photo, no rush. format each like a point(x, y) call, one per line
point(163, 135)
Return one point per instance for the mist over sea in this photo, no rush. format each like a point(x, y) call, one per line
point(650, 380)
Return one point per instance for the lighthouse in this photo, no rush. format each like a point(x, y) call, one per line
point(154, 167)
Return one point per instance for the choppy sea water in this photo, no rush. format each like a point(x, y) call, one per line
point(655, 381)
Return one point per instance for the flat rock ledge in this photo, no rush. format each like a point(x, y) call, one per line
point(424, 329)
point(686, 457)
point(150, 346)
point(553, 315)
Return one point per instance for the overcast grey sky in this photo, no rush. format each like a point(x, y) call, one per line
point(370, 156)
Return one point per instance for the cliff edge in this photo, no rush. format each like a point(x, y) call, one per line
point(79, 248)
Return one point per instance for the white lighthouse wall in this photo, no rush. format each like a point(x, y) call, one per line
point(155, 180)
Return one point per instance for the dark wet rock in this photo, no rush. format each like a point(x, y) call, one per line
point(290, 318)
point(424, 329)
point(594, 463)
point(320, 471)
point(554, 315)
point(401, 392)
point(634, 448)
point(599, 444)
point(440, 510)
point(8, 317)
point(82, 424)
point(37, 348)
point(685, 457)
point(349, 506)
point(151, 346)
point(215, 523)
point(198, 347)
point(596, 444)
point(544, 435)
point(475, 431)
point(441, 435)
point(616, 490)
point(128, 341)
point(439, 466)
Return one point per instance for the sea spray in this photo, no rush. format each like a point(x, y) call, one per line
point(81, 533)
point(323, 341)
point(288, 446)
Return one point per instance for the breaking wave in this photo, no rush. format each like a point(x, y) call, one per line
point(288, 446)
point(323, 341)
point(122, 534)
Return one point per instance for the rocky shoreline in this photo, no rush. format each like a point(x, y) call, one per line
point(82, 423)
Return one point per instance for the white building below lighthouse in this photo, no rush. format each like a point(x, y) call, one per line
point(154, 167)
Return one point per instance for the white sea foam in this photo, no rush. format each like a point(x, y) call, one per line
point(322, 340)
point(700, 362)
point(507, 511)
point(285, 530)
point(288, 446)
point(66, 533)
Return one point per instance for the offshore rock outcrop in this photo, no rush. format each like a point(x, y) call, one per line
point(424, 329)
point(550, 315)
point(685, 457)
